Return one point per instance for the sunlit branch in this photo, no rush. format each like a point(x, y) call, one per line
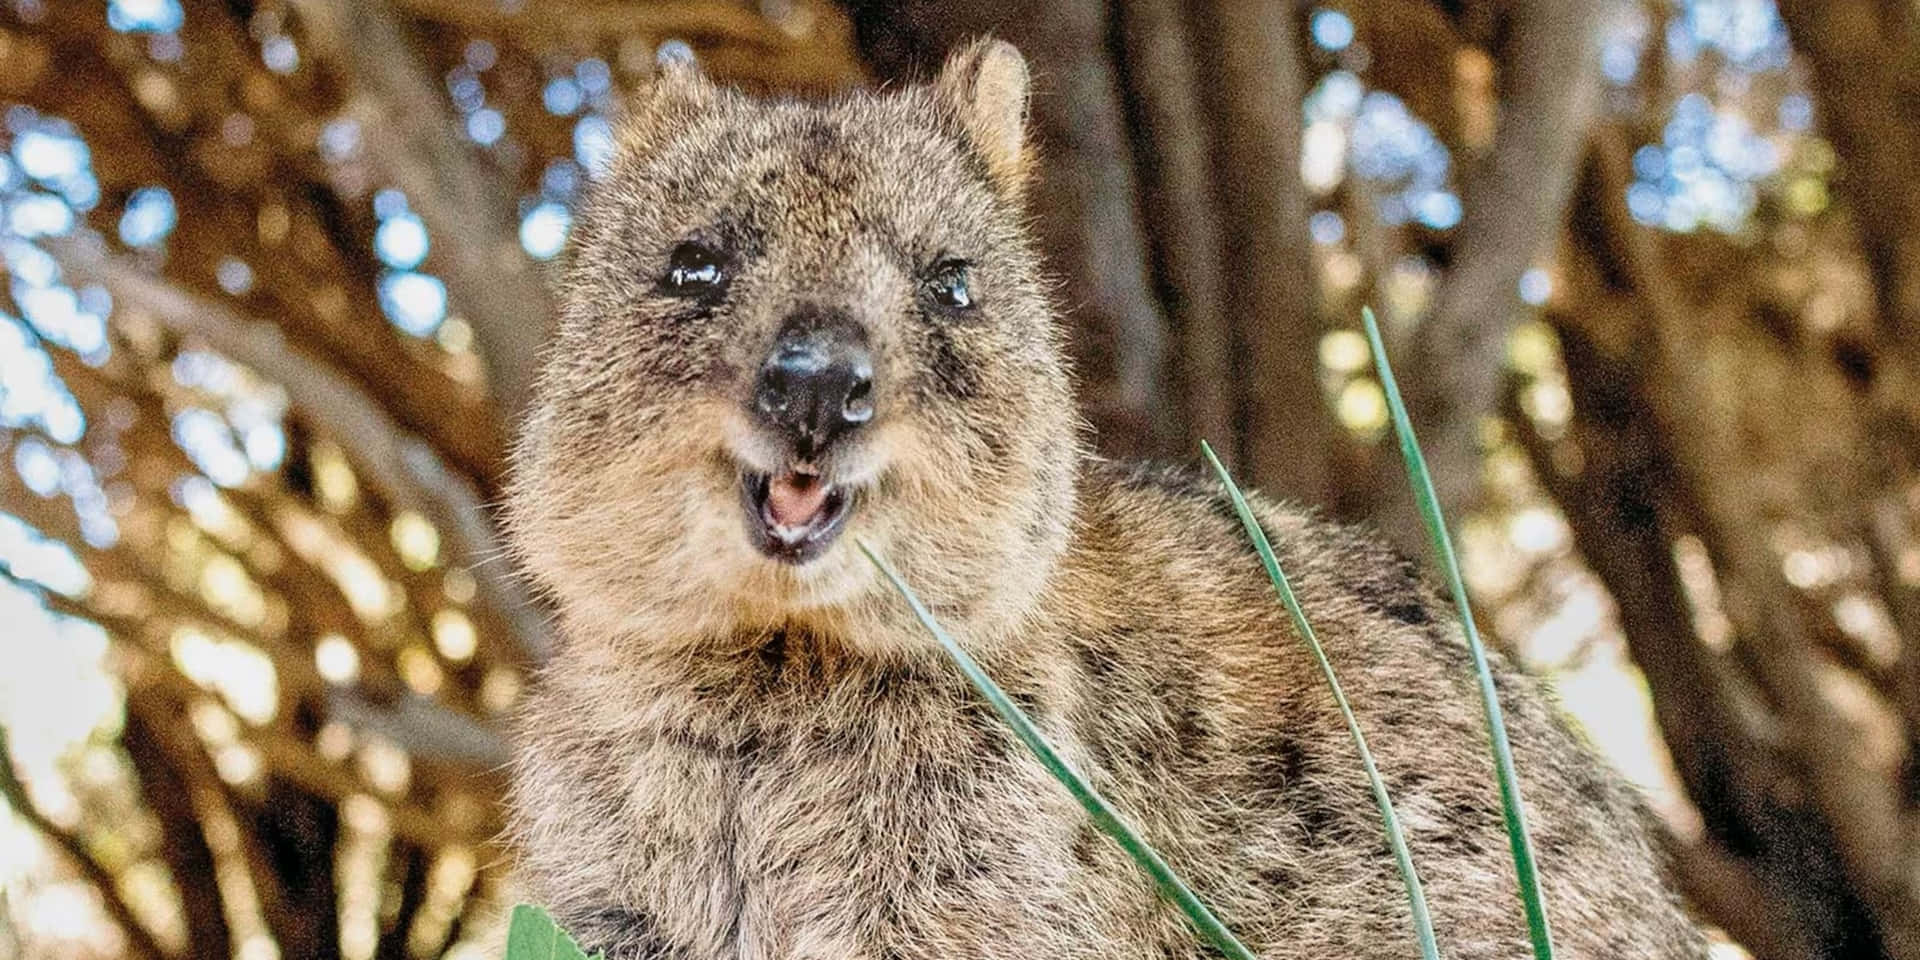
point(139, 939)
point(413, 140)
point(427, 728)
point(406, 471)
point(809, 45)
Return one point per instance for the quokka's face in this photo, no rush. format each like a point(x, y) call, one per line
point(786, 325)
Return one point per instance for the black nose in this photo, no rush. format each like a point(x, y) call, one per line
point(817, 383)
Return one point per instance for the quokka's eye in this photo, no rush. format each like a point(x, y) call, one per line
point(693, 270)
point(947, 285)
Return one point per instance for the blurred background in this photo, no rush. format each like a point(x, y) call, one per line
point(276, 281)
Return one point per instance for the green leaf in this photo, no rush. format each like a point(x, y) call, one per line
point(1416, 895)
point(532, 935)
point(1517, 836)
point(1101, 812)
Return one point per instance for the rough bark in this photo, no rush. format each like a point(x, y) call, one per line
point(414, 867)
point(1865, 60)
point(1864, 57)
point(1161, 75)
point(1140, 118)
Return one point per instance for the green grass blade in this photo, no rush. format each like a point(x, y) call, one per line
point(1102, 813)
point(1517, 836)
point(1416, 895)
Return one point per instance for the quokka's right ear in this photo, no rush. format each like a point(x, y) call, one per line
point(986, 85)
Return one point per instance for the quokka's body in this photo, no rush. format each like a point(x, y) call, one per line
point(789, 324)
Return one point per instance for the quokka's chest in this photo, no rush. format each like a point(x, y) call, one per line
point(849, 836)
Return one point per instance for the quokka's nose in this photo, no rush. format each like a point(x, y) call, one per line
point(817, 383)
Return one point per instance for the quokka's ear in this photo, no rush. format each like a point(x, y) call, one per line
point(986, 85)
point(662, 102)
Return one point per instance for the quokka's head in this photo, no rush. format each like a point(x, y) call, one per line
point(786, 325)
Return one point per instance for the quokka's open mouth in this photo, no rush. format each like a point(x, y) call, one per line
point(795, 515)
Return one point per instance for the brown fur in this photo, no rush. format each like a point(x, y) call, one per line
point(736, 757)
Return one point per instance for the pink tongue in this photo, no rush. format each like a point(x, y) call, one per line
point(795, 499)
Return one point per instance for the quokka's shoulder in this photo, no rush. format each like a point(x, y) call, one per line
point(1156, 514)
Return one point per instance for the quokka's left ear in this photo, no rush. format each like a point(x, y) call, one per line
point(663, 101)
point(985, 84)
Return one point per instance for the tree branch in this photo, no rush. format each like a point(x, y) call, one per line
point(1513, 201)
point(139, 939)
point(1790, 798)
point(168, 792)
point(411, 137)
point(404, 469)
point(805, 44)
point(1083, 196)
point(1252, 102)
point(1872, 829)
point(1170, 141)
point(1865, 56)
point(426, 728)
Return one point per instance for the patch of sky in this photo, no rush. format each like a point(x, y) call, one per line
point(210, 443)
point(485, 126)
point(561, 96)
point(280, 54)
point(543, 231)
point(1747, 34)
point(148, 217)
point(49, 152)
point(339, 140)
point(1704, 172)
point(1536, 285)
point(234, 275)
point(1373, 134)
point(249, 435)
point(389, 203)
point(31, 214)
point(29, 556)
point(593, 143)
point(145, 16)
point(1327, 228)
point(59, 314)
point(401, 241)
point(1331, 29)
point(415, 302)
point(594, 77)
point(1396, 150)
point(463, 85)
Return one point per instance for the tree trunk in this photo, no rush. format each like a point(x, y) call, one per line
point(1548, 66)
point(1205, 327)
